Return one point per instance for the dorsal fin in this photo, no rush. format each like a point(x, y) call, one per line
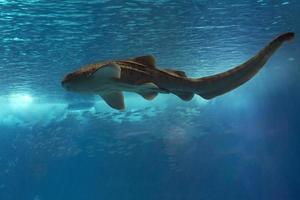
point(177, 72)
point(147, 60)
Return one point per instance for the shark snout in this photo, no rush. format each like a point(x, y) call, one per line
point(65, 83)
point(73, 82)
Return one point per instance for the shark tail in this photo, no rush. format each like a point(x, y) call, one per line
point(215, 85)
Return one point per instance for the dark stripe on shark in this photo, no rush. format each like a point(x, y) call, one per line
point(135, 76)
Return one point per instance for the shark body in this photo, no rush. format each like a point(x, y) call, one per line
point(140, 75)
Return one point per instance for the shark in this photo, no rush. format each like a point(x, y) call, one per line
point(140, 75)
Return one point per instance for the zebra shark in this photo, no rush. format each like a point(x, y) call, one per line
point(141, 75)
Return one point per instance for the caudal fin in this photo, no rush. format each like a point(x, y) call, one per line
point(212, 86)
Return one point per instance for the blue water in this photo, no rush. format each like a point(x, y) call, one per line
point(56, 145)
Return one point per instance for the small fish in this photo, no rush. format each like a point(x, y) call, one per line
point(140, 75)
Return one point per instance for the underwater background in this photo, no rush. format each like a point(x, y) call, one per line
point(56, 145)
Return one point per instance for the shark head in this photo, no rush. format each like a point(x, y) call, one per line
point(77, 81)
point(91, 79)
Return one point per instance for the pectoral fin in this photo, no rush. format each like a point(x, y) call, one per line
point(114, 100)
